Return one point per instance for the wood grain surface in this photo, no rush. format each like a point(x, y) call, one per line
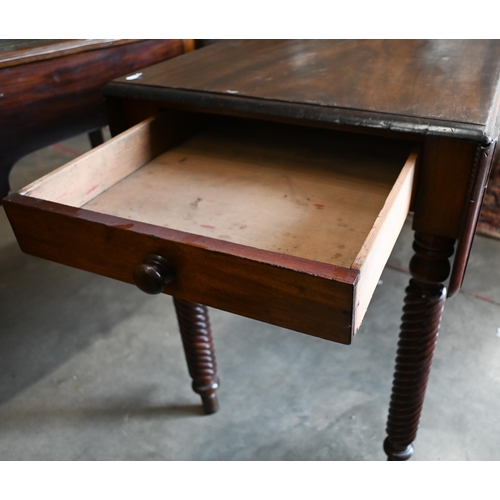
point(442, 87)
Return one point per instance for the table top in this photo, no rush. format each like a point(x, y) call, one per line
point(22, 51)
point(439, 87)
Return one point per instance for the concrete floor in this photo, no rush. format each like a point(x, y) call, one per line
point(93, 369)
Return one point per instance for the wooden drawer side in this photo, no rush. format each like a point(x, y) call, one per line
point(373, 256)
point(91, 174)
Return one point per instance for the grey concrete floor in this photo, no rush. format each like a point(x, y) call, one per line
point(93, 369)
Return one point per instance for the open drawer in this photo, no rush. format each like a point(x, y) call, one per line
point(284, 224)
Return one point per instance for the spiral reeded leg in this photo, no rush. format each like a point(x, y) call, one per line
point(419, 330)
point(422, 312)
point(196, 335)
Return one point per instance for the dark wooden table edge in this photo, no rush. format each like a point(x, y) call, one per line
point(209, 102)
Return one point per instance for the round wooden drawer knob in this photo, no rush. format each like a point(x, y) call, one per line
point(153, 274)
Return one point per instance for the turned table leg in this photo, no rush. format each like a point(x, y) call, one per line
point(196, 335)
point(424, 303)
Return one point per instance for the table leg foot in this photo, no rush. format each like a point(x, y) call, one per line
point(197, 340)
point(210, 404)
point(422, 312)
point(397, 455)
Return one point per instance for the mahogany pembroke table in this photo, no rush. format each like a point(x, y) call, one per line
point(271, 179)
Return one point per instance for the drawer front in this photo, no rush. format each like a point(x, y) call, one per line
point(286, 293)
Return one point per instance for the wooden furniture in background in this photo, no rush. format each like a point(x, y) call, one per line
point(50, 89)
point(294, 142)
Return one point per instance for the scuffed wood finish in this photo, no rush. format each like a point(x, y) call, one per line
point(440, 87)
point(51, 93)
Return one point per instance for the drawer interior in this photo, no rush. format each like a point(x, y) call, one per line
point(333, 199)
point(305, 192)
